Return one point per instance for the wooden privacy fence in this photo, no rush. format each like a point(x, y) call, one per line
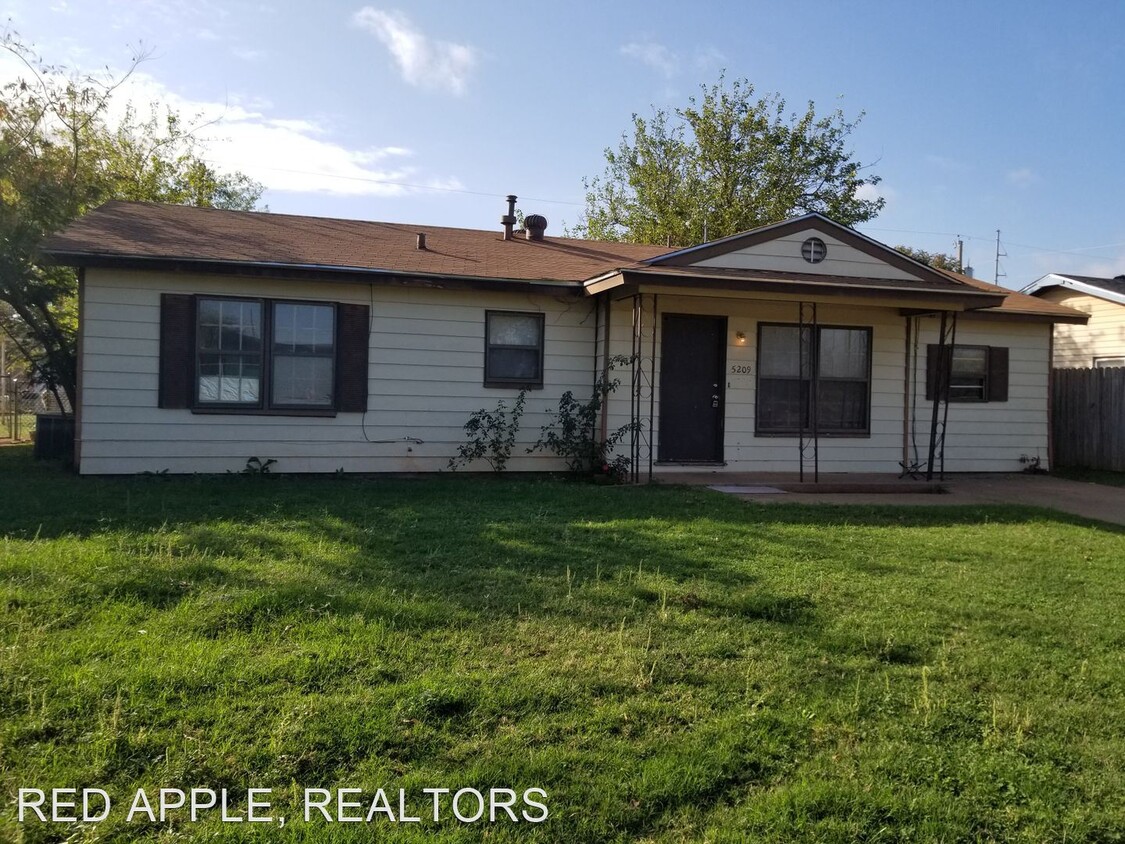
point(1088, 418)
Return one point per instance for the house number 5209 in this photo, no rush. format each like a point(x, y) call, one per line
point(740, 369)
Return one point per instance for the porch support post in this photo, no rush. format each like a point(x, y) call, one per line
point(943, 372)
point(809, 442)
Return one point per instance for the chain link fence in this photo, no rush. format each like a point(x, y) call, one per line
point(20, 402)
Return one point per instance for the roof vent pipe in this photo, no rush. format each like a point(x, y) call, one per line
point(535, 224)
point(509, 219)
point(421, 240)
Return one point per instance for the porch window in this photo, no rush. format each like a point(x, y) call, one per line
point(840, 360)
point(976, 373)
point(513, 355)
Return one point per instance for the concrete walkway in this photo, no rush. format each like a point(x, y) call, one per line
point(1091, 501)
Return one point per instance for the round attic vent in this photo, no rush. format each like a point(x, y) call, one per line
point(813, 250)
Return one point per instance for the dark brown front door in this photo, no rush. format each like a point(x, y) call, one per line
point(692, 369)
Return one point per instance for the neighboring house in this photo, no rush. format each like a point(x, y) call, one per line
point(209, 336)
point(1101, 341)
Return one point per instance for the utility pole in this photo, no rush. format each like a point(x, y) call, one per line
point(960, 254)
point(999, 254)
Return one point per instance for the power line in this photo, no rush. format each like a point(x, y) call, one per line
point(413, 185)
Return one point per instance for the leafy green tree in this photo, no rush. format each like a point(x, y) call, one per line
point(60, 156)
point(726, 163)
point(940, 260)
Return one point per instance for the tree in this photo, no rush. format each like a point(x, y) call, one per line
point(726, 163)
point(60, 156)
point(940, 260)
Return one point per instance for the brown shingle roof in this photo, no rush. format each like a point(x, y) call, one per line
point(184, 233)
point(1020, 304)
point(149, 231)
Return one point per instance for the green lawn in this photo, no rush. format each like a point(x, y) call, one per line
point(667, 664)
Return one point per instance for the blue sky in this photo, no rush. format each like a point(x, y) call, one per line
point(979, 116)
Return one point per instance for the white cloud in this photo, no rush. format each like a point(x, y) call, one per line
point(295, 154)
point(868, 192)
point(654, 55)
point(1022, 178)
point(422, 61)
point(709, 58)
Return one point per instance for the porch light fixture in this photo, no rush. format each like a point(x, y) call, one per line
point(740, 338)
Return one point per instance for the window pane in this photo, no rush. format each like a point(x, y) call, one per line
point(782, 403)
point(779, 351)
point(843, 353)
point(229, 378)
point(513, 329)
point(522, 364)
point(303, 329)
point(969, 362)
point(302, 380)
point(841, 406)
point(208, 312)
point(968, 373)
point(229, 326)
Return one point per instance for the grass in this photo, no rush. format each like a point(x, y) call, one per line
point(1091, 476)
point(24, 425)
point(668, 664)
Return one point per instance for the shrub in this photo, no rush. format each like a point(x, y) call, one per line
point(491, 435)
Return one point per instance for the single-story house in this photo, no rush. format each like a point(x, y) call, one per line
point(210, 336)
point(1101, 341)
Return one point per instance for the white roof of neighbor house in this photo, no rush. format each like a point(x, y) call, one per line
point(1110, 289)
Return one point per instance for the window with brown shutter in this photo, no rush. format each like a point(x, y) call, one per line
point(221, 354)
point(975, 373)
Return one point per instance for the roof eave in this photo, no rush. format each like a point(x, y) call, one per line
point(280, 269)
point(1058, 280)
point(957, 299)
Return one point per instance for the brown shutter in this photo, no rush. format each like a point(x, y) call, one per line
point(177, 349)
point(352, 341)
point(997, 373)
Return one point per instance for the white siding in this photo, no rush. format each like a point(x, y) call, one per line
point(991, 436)
point(426, 354)
point(1103, 336)
point(426, 362)
point(745, 452)
point(784, 253)
point(982, 437)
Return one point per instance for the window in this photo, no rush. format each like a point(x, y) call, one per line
point(840, 358)
point(976, 373)
point(229, 354)
point(236, 369)
point(968, 379)
point(513, 354)
point(303, 355)
point(1106, 363)
point(229, 345)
